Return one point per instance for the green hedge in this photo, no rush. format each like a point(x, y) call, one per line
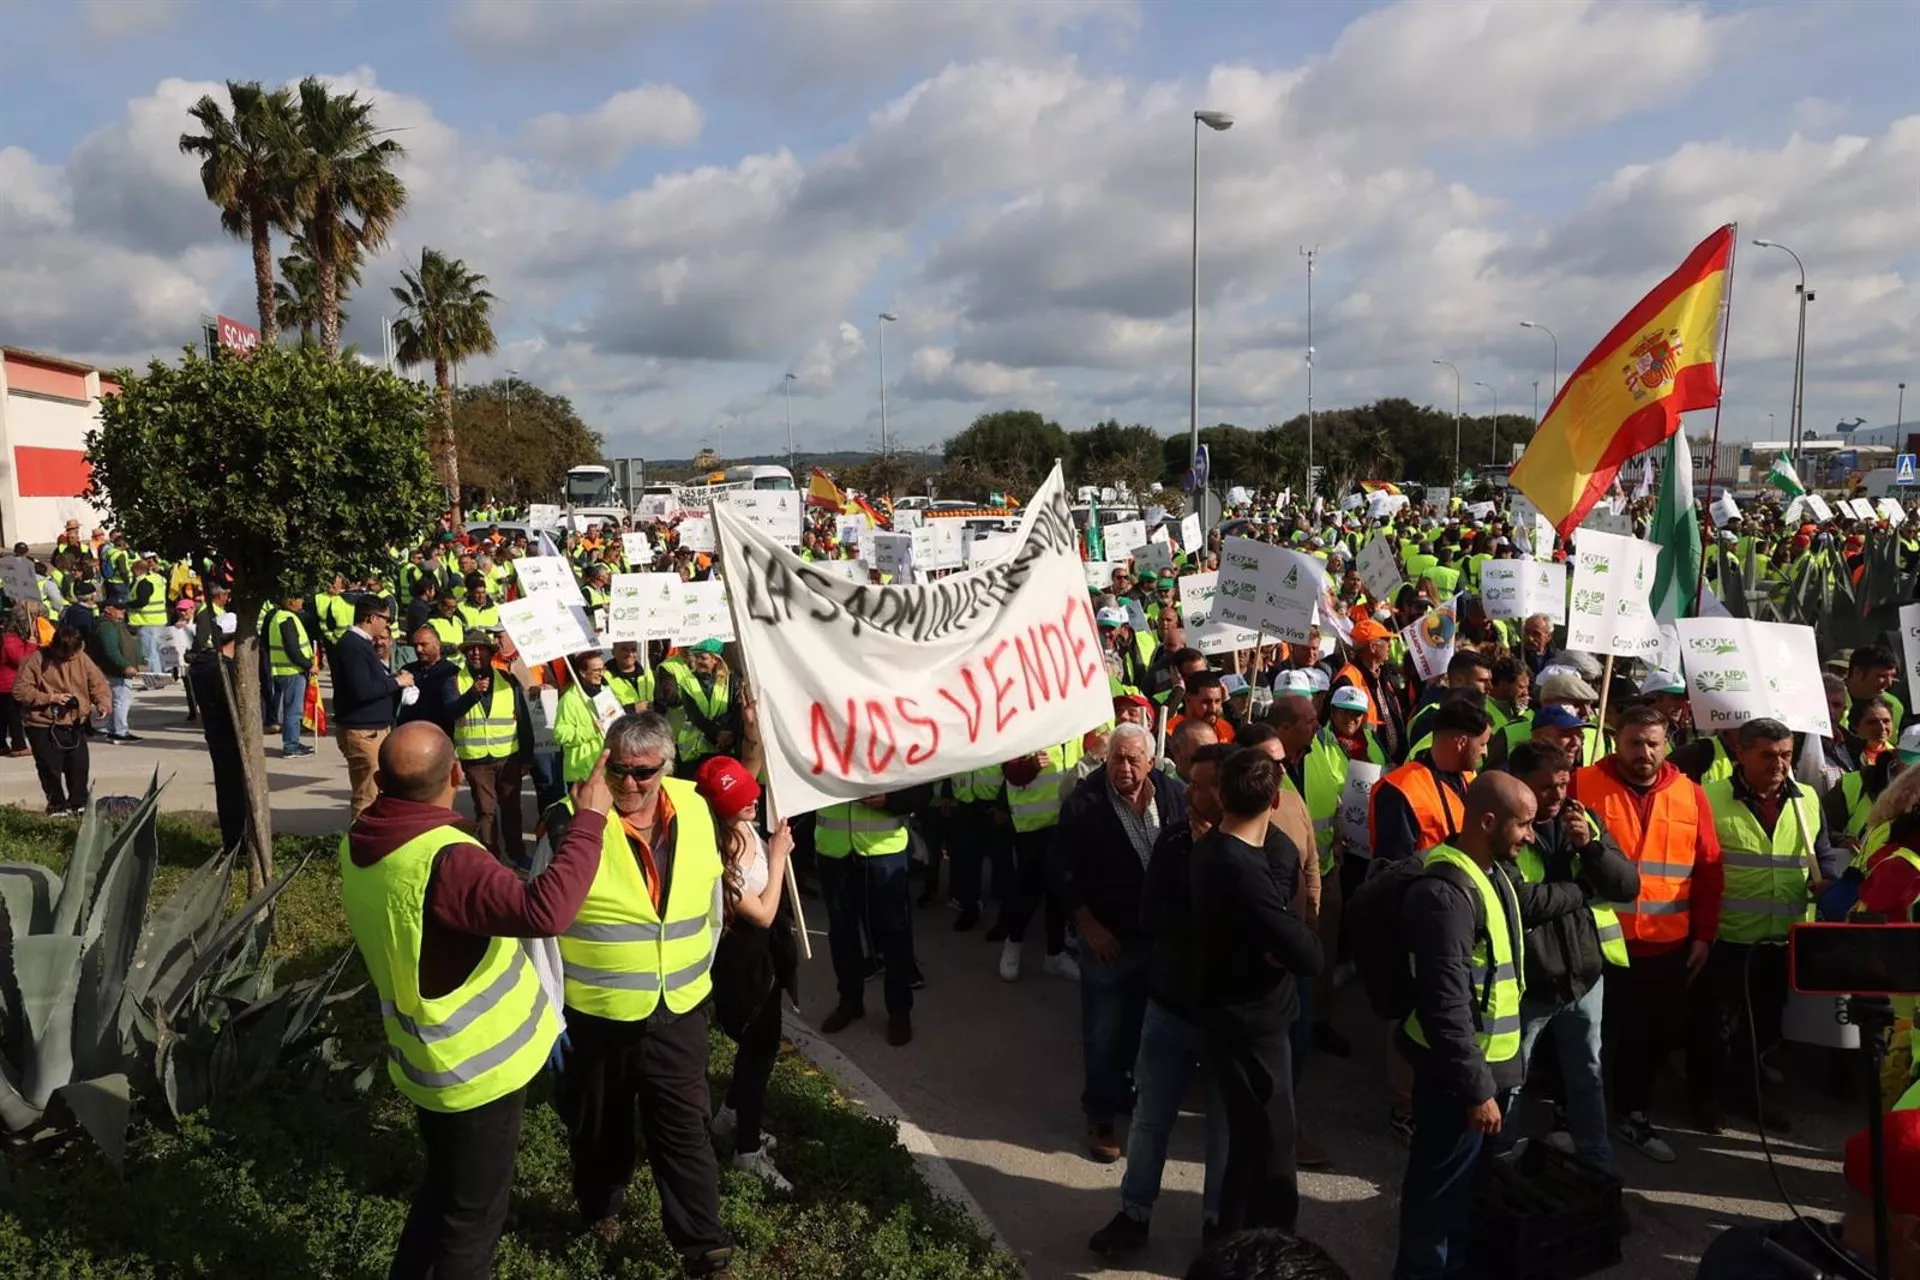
point(314, 1182)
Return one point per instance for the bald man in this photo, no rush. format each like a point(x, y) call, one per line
point(468, 1024)
point(1465, 921)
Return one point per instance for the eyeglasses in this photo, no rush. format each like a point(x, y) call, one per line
point(638, 772)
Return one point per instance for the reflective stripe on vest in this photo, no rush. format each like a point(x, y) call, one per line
point(978, 785)
point(1497, 979)
point(1325, 774)
point(1853, 792)
point(1437, 809)
point(1606, 924)
point(1720, 768)
point(1036, 806)
point(279, 661)
point(852, 827)
point(688, 740)
point(620, 958)
point(1766, 876)
point(471, 1046)
point(489, 730)
point(154, 612)
point(1661, 850)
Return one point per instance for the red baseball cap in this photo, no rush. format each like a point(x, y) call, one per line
point(725, 784)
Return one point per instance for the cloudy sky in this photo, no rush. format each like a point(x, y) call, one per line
point(678, 202)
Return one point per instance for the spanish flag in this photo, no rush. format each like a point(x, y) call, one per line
point(823, 492)
point(1628, 394)
point(1380, 486)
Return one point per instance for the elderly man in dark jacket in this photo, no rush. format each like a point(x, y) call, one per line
point(1568, 955)
point(1100, 853)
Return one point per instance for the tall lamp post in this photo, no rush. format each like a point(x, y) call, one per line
point(1534, 324)
point(1493, 449)
point(1310, 255)
point(1796, 423)
point(786, 385)
point(1219, 122)
point(1900, 410)
point(886, 317)
point(1457, 472)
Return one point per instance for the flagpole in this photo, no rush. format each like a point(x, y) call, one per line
point(1713, 450)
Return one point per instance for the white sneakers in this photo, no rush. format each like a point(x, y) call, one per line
point(761, 1164)
point(726, 1126)
point(1010, 961)
point(1062, 966)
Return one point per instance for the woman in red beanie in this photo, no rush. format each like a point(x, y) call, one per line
point(753, 953)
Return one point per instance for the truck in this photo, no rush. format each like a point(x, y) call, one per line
point(591, 498)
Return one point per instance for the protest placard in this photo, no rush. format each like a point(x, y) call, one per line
point(1155, 517)
point(1604, 519)
point(925, 547)
point(1739, 670)
point(778, 513)
point(892, 553)
point(546, 628)
point(637, 547)
point(703, 614)
point(655, 506)
point(1791, 516)
point(1429, 642)
point(1818, 505)
point(1099, 573)
point(1440, 498)
point(1892, 512)
point(1267, 588)
point(907, 518)
point(1480, 510)
point(1910, 643)
point(1379, 567)
point(17, 579)
point(850, 530)
point(543, 515)
point(1119, 539)
point(949, 544)
point(1153, 558)
point(1356, 800)
point(866, 689)
point(1863, 510)
point(1533, 534)
point(1192, 537)
point(1522, 588)
point(845, 570)
point(982, 547)
point(643, 606)
point(548, 575)
point(1609, 612)
point(696, 533)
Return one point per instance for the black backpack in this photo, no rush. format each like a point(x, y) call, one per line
point(1372, 925)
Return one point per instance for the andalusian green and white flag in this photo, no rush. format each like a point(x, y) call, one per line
point(1783, 478)
point(1675, 529)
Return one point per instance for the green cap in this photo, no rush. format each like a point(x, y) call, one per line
point(708, 645)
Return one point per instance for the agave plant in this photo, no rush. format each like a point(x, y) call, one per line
point(97, 991)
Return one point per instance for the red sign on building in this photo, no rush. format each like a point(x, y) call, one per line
point(236, 337)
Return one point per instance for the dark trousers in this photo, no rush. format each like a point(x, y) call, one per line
point(1113, 1005)
point(60, 758)
point(752, 1067)
point(549, 788)
point(974, 842)
point(229, 792)
point(658, 1064)
point(871, 894)
point(1030, 880)
point(13, 730)
point(1255, 1075)
point(495, 788)
point(1647, 1015)
point(1444, 1167)
point(1738, 973)
point(461, 1206)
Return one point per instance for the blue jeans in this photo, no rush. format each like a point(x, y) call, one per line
point(289, 700)
point(1575, 1029)
point(150, 646)
point(874, 895)
point(1436, 1197)
point(122, 705)
point(1113, 1004)
point(1169, 1050)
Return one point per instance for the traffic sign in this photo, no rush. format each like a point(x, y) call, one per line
point(1903, 469)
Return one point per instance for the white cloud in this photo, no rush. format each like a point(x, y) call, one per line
point(656, 115)
point(124, 19)
point(562, 29)
point(933, 373)
point(828, 361)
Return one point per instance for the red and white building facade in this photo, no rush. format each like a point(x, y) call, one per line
point(47, 407)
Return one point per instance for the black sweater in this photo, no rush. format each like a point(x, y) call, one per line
point(1250, 945)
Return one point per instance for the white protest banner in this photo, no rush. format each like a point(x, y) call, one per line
point(1192, 537)
point(643, 606)
point(546, 628)
point(1156, 516)
point(696, 533)
point(1522, 588)
point(907, 518)
point(1532, 533)
point(1353, 502)
point(1480, 510)
point(1238, 496)
point(1863, 510)
point(868, 689)
point(1153, 557)
point(543, 515)
point(925, 547)
point(1440, 497)
point(1099, 573)
point(17, 579)
point(1910, 642)
point(1196, 598)
point(982, 547)
point(1267, 588)
point(1119, 539)
point(1356, 802)
point(544, 575)
point(891, 552)
point(1137, 617)
point(1379, 567)
point(1604, 519)
point(1791, 516)
point(637, 547)
point(1724, 509)
point(849, 531)
point(776, 512)
point(1892, 512)
point(655, 506)
point(1612, 577)
point(703, 613)
point(1739, 670)
point(845, 570)
point(1196, 615)
point(1385, 504)
point(1818, 505)
point(949, 544)
point(1430, 642)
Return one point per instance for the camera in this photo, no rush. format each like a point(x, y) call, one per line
point(1855, 959)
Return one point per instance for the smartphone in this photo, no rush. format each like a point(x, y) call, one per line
point(1855, 959)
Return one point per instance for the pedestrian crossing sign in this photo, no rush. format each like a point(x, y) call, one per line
point(1903, 469)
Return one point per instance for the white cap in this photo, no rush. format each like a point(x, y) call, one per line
point(1909, 747)
point(1350, 698)
point(1661, 680)
point(1294, 682)
point(1111, 617)
point(1319, 679)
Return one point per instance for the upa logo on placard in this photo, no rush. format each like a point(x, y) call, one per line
point(1589, 602)
point(1713, 646)
point(1726, 680)
point(1502, 594)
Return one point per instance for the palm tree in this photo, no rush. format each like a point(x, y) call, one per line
point(243, 168)
point(445, 317)
point(344, 188)
point(297, 296)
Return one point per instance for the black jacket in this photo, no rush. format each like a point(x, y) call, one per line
point(1093, 863)
point(363, 688)
point(433, 681)
point(1440, 922)
point(1563, 955)
point(1243, 925)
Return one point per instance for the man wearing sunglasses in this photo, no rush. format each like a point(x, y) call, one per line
point(636, 965)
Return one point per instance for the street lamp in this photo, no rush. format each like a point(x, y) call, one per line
point(787, 386)
point(1309, 255)
point(1900, 411)
point(1533, 324)
point(1493, 450)
point(1219, 122)
point(1796, 425)
point(1457, 472)
point(881, 329)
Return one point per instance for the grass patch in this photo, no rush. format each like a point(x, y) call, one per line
point(315, 1183)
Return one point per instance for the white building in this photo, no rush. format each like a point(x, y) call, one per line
point(47, 406)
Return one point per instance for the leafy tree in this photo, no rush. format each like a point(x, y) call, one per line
point(244, 160)
point(1110, 454)
point(344, 189)
point(296, 299)
point(516, 441)
point(1017, 444)
point(1229, 454)
point(445, 318)
point(286, 466)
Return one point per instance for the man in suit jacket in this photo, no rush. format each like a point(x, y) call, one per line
point(363, 697)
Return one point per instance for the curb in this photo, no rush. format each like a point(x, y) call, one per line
point(863, 1089)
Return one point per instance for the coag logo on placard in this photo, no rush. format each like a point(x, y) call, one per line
point(1595, 562)
point(1713, 646)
